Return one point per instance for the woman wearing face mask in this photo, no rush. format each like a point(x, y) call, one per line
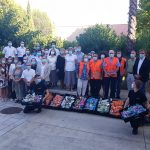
point(3, 79)
point(60, 66)
point(83, 76)
point(95, 76)
point(17, 84)
point(70, 70)
point(44, 71)
point(136, 96)
point(52, 62)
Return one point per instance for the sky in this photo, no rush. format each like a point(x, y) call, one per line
point(67, 15)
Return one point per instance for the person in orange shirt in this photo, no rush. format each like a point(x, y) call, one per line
point(83, 76)
point(95, 76)
point(111, 65)
point(121, 72)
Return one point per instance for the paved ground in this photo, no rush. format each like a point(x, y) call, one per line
point(59, 130)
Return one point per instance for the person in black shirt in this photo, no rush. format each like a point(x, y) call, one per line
point(136, 96)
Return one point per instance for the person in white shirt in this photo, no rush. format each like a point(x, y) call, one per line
point(28, 77)
point(70, 69)
point(21, 51)
point(53, 46)
point(9, 50)
point(52, 63)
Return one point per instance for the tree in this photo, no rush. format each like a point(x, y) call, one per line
point(143, 25)
point(67, 44)
point(98, 38)
point(132, 25)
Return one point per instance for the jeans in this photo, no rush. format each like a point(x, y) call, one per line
point(81, 87)
point(130, 80)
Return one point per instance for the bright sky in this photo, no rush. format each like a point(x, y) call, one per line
point(67, 15)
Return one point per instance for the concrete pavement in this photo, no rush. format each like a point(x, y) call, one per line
point(59, 130)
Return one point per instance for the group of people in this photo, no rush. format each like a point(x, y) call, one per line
point(23, 70)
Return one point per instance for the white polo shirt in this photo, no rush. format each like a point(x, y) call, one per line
point(28, 74)
point(9, 51)
point(21, 51)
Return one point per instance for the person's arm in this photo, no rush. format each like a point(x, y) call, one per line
point(126, 103)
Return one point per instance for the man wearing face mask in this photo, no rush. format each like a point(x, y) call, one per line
point(79, 54)
point(121, 72)
point(28, 77)
point(21, 51)
point(141, 68)
point(53, 46)
point(9, 50)
point(111, 66)
point(129, 69)
point(95, 76)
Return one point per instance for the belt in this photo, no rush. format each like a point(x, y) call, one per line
point(130, 72)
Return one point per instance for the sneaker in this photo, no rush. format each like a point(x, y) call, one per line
point(135, 131)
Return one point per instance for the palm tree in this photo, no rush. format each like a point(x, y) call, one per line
point(132, 25)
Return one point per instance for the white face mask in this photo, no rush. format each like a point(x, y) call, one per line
point(89, 57)
point(111, 55)
point(95, 58)
point(119, 55)
point(3, 61)
point(9, 44)
point(132, 85)
point(66, 52)
point(70, 52)
point(15, 61)
point(28, 67)
point(53, 46)
point(52, 52)
point(24, 60)
point(85, 59)
point(102, 56)
point(22, 45)
point(132, 55)
point(27, 52)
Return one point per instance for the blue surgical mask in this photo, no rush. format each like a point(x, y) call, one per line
point(142, 56)
point(38, 54)
point(28, 67)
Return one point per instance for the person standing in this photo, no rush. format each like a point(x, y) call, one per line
point(9, 51)
point(121, 72)
point(53, 46)
point(129, 69)
point(141, 68)
point(70, 69)
point(21, 51)
point(52, 62)
point(111, 66)
point(60, 66)
point(83, 76)
point(95, 76)
point(17, 84)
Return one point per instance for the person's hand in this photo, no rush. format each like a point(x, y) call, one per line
point(137, 76)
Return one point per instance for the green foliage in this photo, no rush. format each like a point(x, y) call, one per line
point(67, 44)
point(100, 38)
point(143, 25)
point(16, 25)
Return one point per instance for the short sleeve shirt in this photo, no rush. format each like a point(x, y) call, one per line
point(28, 74)
point(70, 62)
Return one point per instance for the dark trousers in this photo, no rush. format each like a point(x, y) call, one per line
point(118, 85)
point(135, 123)
point(95, 87)
point(110, 82)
